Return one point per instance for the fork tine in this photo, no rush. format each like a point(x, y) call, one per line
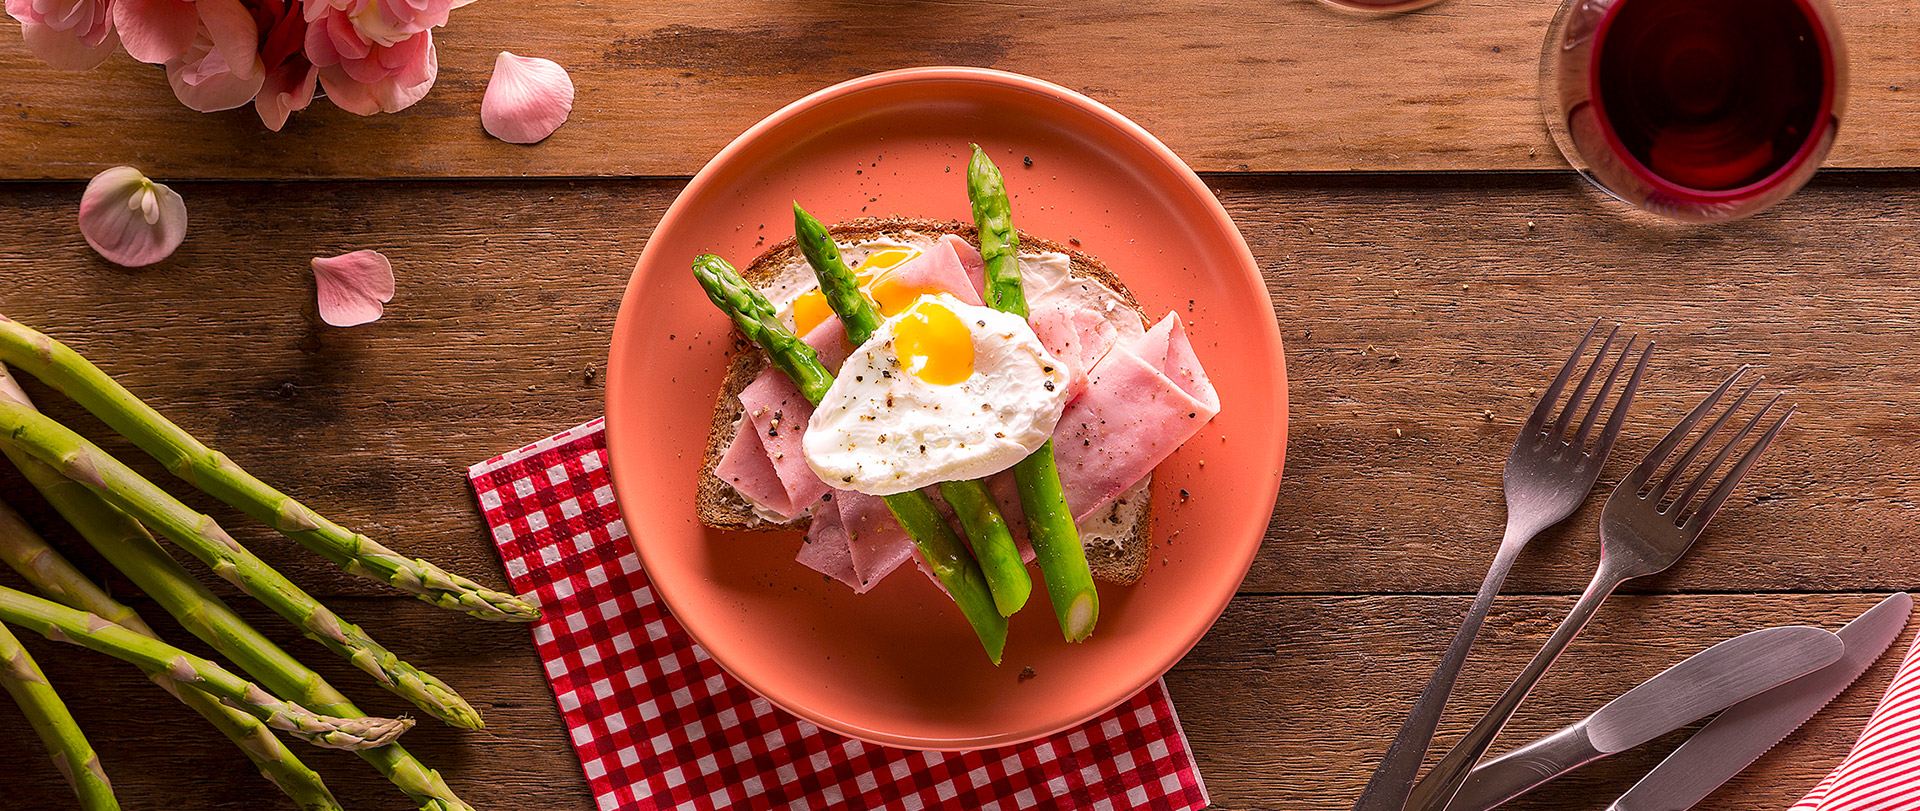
point(1558, 430)
point(1693, 451)
point(1600, 400)
point(1698, 521)
point(1619, 416)
point(1641, 473)
point(1538, 419)
point(1707, 473)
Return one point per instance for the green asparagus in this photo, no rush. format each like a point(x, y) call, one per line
point(76, 458)
point(992, 541)
point(945, 554)
point(63, 624)
point(62, 368)
point(127, 545)
point(1056, 540)
point(48, 716)
point(26, 552)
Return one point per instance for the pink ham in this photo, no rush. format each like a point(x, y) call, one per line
point(1142, 401)
point(976, 267)
point(779, 480)
point(826, 549)
point(941, 267)
point(1079, 337)
point(879, 544)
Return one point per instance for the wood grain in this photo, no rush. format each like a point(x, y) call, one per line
point(1389, 513)
point(1284, 86)
point(1286, 703)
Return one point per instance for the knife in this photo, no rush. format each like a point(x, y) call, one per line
point(1747, 730)
point(1707, 682)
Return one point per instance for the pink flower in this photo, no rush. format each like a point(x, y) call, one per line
point(204, 79)
point(527, 99)
point(353, 287)
point(130, 220)
point(290, 74)
point(372, 61)
point(67, 34)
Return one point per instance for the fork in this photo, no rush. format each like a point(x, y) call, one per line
point(1642, 533)
point(1547, 478)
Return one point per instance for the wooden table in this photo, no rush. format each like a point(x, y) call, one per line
point(1429, 260)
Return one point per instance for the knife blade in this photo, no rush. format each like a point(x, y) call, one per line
point(1708, 681)
point(1746, 731)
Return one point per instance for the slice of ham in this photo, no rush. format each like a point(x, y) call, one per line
point(779, 480)
point(878, 543)
point(976, 268)
point(942, 267)
point(826, 549)
point(1143, 400)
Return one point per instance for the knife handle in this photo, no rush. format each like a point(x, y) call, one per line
point(1522, 770)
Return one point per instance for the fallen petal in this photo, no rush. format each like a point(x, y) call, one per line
point(353, 287)
point(130, 220)
point(527, 99)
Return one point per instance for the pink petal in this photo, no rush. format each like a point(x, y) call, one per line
point(155, 31)
point(347, 94)
point(353, 287)
point(288, 89)
point(130, 220)
point(235, 34)
point(71, 49)
point(202, 80)
point(527, 99)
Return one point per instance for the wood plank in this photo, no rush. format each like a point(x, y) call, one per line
point(1286, 703)
point(1291, 86)
point(508, 293)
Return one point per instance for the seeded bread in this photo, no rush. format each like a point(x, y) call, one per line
point(721, 507)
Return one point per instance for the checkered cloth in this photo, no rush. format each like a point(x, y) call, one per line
point(658, 725)
point(1882, 773)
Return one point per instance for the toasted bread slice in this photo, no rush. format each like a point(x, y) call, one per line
point(1122, 559)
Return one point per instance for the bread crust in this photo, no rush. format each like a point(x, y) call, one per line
point(721, 507)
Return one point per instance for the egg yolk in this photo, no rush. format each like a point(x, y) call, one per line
point(878, 280)
point(934, 344)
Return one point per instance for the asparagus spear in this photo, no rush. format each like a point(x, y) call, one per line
point(26, 552)
point(992, 542)
point(944, 552)
point(78, 459)
point(48, 716)
point(62, 368)
point(1056, 541)
point(60, 623)
point(131, 549)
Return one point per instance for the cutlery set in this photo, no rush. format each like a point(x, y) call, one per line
point(1764, 684)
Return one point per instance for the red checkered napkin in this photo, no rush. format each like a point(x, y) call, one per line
point(1882, 773)
point(658, 725)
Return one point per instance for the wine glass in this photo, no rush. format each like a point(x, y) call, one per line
point(1694, 110)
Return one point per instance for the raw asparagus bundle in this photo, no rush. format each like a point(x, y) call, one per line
point(49, 717)
point(25, 552)
point(63, 624)
point(74, 457)
point(992, 541)
point(62, 368)
point(1056, 540)
point(945, 554)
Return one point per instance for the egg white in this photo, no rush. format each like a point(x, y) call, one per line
point(882, 430)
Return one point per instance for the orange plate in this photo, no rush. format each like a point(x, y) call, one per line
point(898, 665)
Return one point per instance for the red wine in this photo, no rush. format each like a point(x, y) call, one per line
point(1715, 96)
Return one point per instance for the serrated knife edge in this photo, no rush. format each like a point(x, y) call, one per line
point(1678, 783)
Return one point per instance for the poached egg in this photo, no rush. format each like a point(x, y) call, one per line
point(942, 391)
